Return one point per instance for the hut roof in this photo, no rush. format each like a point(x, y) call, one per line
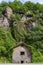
point(20, 44)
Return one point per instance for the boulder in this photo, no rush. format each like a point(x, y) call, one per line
point(8, 12)
point(4, 23)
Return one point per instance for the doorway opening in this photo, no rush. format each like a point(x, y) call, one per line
point(22, 61)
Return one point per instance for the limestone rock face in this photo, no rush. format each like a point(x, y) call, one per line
point(23, 19)
point(26, 22)
point(8, 12)
point(4, 20)
point(4, 23)
point(1, 20)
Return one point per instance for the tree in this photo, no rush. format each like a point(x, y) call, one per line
point(29, 5)
point(4, 4)
point(16, 6)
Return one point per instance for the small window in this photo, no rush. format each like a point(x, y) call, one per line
point(22, 53)
point(22, 61)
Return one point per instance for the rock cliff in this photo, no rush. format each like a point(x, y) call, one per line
point(26, 20)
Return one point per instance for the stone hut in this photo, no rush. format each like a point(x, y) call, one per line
point(21, 54)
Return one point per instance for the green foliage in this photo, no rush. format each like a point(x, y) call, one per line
point(29, 5)
point(3, 60)
point(6, 41)
point(34, 37)
point(4, 4)
point(12, 17)
point(1, 9)
point(16, 6)
point(15, 17)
